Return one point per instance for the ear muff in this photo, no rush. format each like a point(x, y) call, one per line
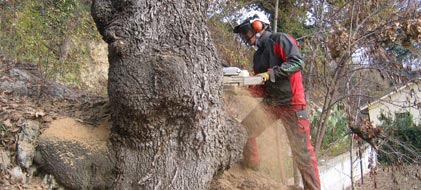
point(257, 26)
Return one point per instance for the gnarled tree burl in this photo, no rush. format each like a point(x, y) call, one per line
point(169, 129)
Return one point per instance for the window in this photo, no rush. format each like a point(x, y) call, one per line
point(403, 119)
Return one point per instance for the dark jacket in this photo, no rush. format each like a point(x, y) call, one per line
point(279, 52)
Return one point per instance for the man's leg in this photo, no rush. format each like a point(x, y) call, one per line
point(297, 127)
point(251, 154)
point(255, 122)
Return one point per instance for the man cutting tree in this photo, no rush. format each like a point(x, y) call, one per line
point(279, 62)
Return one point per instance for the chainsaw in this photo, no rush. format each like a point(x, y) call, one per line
point(234, 76)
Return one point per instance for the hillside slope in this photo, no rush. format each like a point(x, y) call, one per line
point(26, 97)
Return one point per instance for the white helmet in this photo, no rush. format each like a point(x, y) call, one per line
point(253, 16)
point(247, 21)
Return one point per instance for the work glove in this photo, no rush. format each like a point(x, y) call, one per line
point(264, 75)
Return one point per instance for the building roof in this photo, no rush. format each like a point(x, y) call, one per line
point(398, 90)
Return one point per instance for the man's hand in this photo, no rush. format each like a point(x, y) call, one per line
point(265, 76)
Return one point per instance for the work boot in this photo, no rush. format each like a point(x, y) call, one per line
point(245, 165)
point(255, 168)
point(251, 158)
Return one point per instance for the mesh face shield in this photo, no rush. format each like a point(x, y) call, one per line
point(245, 31)
point(243, 27)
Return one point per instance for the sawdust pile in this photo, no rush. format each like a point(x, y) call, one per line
point(69, 129)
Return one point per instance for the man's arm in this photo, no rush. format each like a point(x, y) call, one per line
point(286, 48)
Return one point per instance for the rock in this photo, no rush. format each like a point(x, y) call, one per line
point(16, 175)
point(77, 155)
point(30, 173)
point(20, 74)
point(4, 160)
point(51, 183)
point(5, 86)
point(18, 88)
point(28, 84)
point(25, 145)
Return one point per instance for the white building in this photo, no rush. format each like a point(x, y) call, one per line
point(400, 102)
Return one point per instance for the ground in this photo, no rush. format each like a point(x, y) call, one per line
point(403, 177)
point(25, 95)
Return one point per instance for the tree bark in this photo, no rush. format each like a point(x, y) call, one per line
point(165, 86)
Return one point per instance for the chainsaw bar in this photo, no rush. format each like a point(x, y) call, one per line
point(242, 81)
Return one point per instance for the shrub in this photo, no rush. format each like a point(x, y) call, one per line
point(401, 142)
point(336, 139)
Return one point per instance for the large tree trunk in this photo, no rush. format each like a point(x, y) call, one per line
point(169, 129)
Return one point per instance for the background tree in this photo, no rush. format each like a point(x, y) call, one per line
point(366, 30)
point(169, 129)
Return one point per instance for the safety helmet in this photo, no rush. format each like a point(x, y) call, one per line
point(253, 20)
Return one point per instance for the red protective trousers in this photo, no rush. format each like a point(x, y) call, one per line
point(297, 127)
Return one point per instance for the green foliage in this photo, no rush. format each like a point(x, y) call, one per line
point(402, 139)
point(230, 49)
point(292, 21)
point(50, 33)
point(404, 120)
point(336, 140)
point(410, 134)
